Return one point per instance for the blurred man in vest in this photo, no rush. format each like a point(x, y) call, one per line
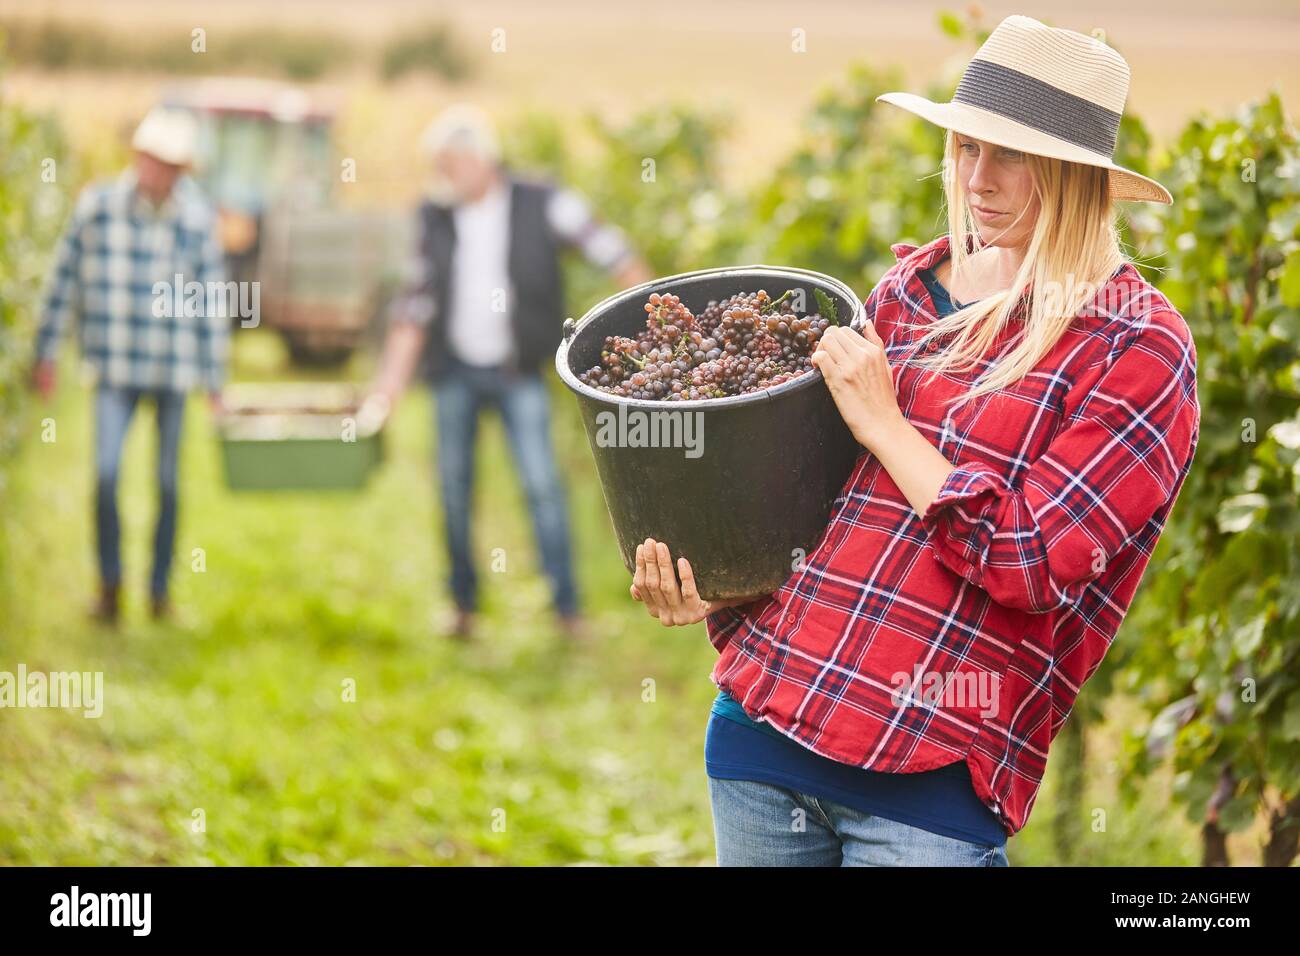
point(482, 314)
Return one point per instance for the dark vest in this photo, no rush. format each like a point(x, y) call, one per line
point(537, 294)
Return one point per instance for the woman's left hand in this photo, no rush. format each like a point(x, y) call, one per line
point(859, 378)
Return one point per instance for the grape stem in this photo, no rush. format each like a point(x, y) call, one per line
point(767, 309)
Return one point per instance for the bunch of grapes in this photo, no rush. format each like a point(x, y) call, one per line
point(744, 343)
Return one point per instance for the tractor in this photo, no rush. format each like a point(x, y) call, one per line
point(266, 159)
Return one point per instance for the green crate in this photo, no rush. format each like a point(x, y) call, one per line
point(298, 437)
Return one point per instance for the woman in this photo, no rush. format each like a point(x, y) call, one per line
point(893, 702)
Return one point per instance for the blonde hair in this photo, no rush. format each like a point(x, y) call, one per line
point(1072, 253)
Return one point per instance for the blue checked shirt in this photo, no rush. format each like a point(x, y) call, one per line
point(117, 269)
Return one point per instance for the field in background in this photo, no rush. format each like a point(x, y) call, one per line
point(568, 58)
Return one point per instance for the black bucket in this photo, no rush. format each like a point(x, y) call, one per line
point(744, 487)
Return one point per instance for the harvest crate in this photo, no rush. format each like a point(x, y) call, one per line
point(296, 437)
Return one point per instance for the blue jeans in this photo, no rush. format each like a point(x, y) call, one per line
point(114, 407)
point(761, 824)
point(460, 394)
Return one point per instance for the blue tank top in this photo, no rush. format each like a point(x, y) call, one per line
point(941, 801)
point(943, 302)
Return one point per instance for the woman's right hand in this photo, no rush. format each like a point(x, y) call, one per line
point(655, 586)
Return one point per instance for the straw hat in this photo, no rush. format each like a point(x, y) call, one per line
point(1042, 90)
point(167, 134)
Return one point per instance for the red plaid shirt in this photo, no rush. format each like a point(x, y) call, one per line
point(1018, 575)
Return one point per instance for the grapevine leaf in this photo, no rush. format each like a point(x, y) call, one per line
point(826, 306)
point(1291, 718)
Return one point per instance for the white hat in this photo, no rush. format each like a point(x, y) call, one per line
point(1047, 91)
point(167, 134)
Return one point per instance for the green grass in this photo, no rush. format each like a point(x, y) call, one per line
point(237, 709)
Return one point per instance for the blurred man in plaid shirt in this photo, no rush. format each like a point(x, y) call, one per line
point(131, 242)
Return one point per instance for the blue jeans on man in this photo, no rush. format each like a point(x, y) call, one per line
point(114, 408)
point(461, 393)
